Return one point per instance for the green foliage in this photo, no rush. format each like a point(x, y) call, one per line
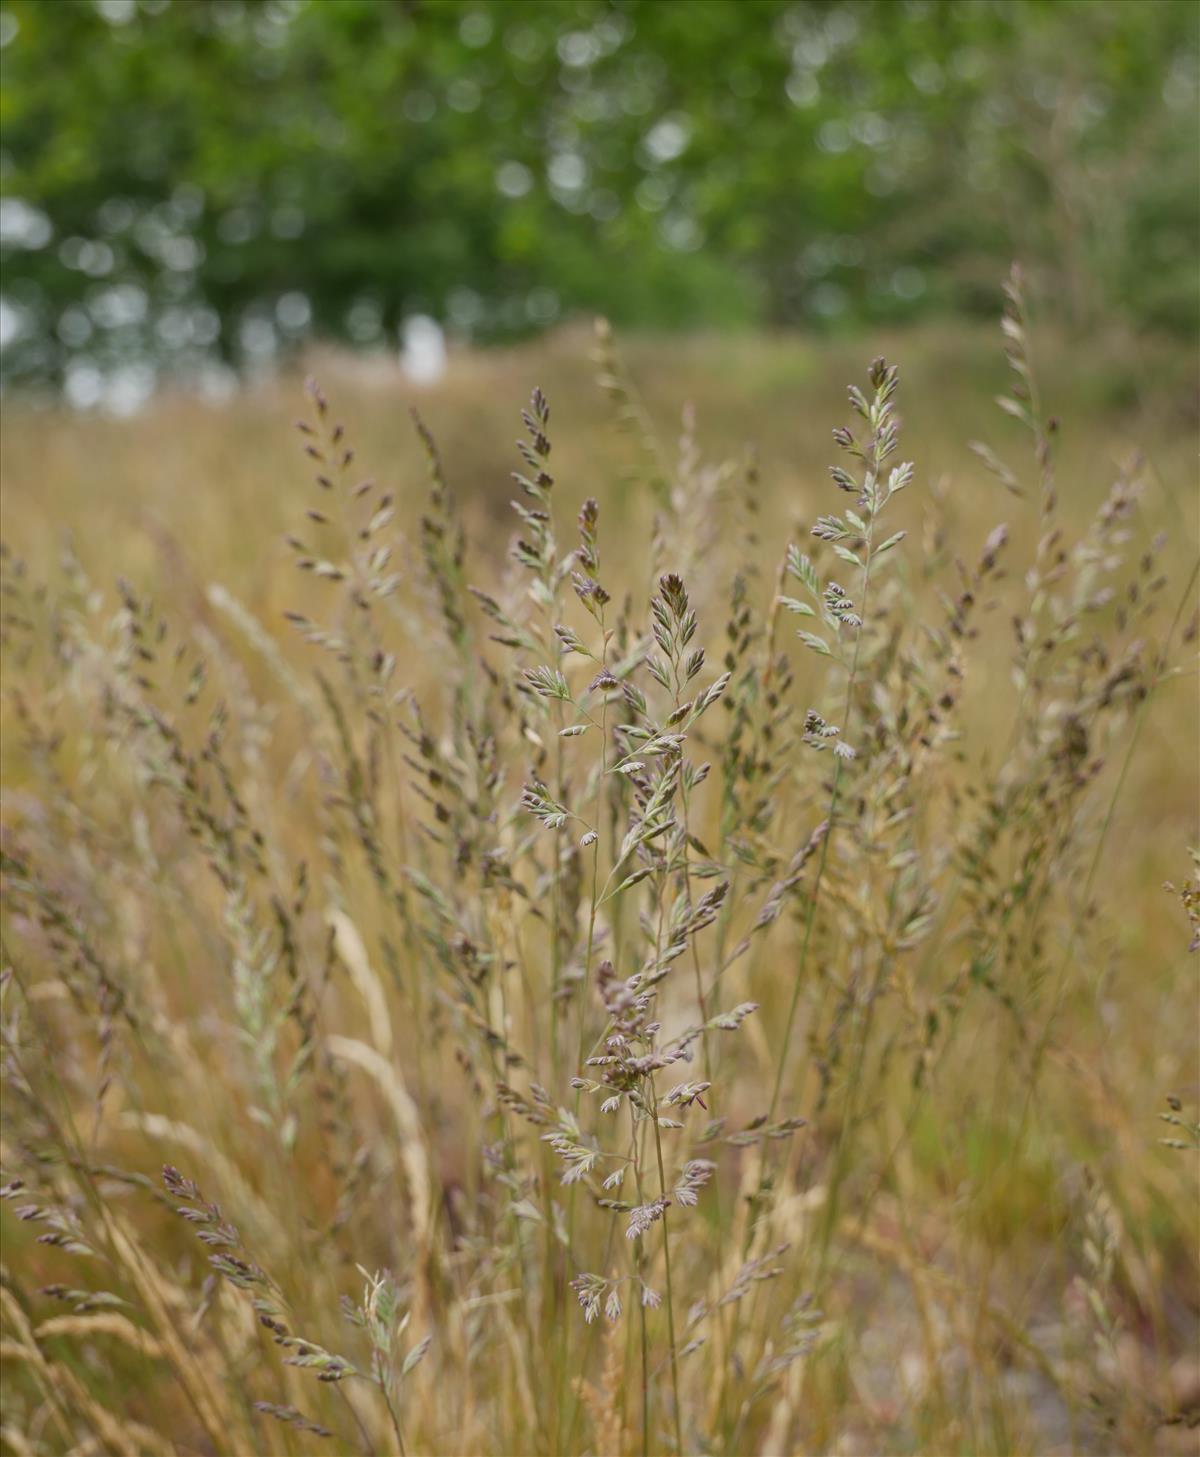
point(186, 177)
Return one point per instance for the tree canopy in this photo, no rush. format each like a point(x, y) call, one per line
point(186, 179)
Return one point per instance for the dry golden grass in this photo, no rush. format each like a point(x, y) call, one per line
point(278, 915)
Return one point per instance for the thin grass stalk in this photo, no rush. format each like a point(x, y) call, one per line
point(662, 1181)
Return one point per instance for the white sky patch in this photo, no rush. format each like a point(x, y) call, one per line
point(22, 225)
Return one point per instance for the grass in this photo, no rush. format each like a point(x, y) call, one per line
point(445, 1011)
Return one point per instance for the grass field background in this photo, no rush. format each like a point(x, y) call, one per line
point(974, 1220)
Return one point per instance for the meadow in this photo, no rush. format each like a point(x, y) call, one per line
point(686, 964)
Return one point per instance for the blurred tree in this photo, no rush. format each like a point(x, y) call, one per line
point(190, 178)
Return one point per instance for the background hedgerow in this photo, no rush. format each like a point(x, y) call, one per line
point(699, 981)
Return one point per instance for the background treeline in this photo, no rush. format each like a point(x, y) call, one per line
point(195, 179)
